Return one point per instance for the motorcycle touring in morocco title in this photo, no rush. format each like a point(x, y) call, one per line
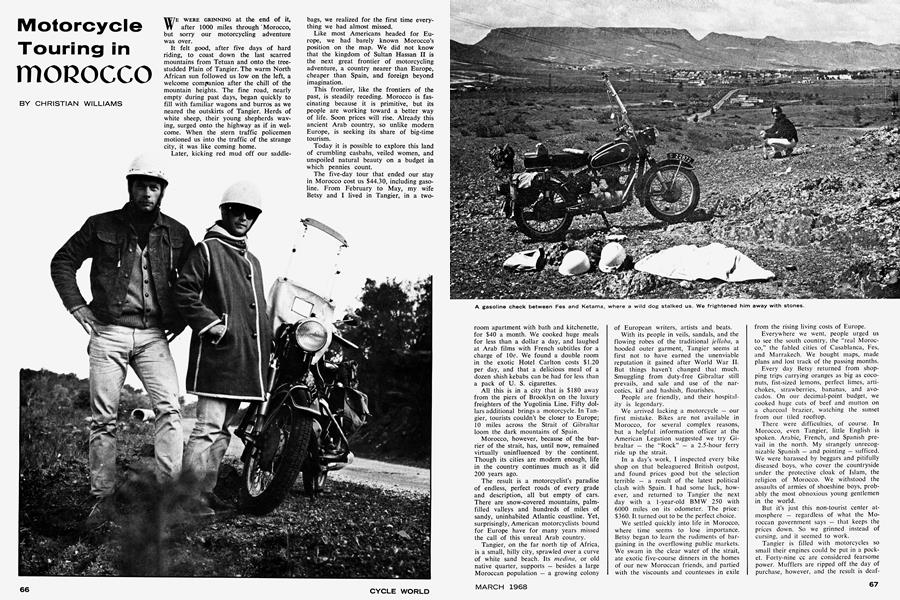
point(554, 188)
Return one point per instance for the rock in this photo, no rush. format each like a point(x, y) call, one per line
point(593, 250)
point(871, 281)
point(557, 251)
point(626, 285)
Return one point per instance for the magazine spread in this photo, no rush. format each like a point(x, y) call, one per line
point(453, 300)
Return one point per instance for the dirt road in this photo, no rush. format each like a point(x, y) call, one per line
point(717, 106)
point(373, 473)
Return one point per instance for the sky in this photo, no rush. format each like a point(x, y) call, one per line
point(872, 21)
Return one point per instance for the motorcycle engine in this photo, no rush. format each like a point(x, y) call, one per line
point(615, 177)
point(583, 182)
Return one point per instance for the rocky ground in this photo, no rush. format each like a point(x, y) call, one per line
point(824, 220)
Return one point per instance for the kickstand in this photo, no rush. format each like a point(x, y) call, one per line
point(603, 214)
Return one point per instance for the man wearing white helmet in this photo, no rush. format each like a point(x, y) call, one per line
point(136, 252)
point(220, 293)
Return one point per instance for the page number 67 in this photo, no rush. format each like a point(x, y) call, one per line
point(873, 584)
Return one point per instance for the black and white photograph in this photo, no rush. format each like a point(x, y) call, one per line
point(676, 149)
point(255, 399)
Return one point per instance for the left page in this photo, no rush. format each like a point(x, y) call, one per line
point(223, 256)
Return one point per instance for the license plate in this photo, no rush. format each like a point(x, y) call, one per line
point(680, 156)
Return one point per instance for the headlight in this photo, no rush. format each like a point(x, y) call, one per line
point(311, 335)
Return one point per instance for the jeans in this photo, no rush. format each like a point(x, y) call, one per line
point(209, 440)
point(112, 349)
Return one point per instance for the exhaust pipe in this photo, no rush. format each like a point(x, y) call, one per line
point(336, 463)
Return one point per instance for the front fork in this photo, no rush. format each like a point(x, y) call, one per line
point(255, 416)
point(644, 165)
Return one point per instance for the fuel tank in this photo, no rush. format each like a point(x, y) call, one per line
point(612, 153)
point(569, 158)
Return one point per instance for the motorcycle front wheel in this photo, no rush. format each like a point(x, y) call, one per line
point(546, 218)
point(671, 193)
point(270, 471)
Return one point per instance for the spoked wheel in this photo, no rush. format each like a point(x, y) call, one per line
point(270, 471)
point(671, 192)
point(546, 218)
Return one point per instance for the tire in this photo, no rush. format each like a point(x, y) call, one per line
point(535, 219)
point(666, 193)
point(284, 444)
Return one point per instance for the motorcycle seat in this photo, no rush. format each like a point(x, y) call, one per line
point(569, 158)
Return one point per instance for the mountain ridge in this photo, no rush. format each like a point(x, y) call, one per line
point(669, 47)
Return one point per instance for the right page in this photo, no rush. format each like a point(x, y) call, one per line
point(674, 237)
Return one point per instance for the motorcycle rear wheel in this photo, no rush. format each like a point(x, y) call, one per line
point(671, 193)
point(270, 472)
point(545, 219)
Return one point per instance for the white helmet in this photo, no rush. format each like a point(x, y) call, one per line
point(242, 192)
point(147, 165)
point(575, 262)
point(611, 257)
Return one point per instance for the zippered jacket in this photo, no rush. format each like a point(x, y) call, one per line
point(110, 241)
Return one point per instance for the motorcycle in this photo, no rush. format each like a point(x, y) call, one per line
point(311, 404)
point(554, 188)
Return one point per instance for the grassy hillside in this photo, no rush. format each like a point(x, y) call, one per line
point(350, 531)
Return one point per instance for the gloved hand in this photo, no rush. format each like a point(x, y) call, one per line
point(86, 319)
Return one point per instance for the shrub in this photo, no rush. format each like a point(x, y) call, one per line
point(482, 130)
point(82, 399)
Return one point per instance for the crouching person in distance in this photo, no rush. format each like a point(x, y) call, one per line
point(135, 254)
point(220, 294)
point(781, 138)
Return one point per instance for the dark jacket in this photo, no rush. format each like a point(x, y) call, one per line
point(782, 128)
point(222, 282)
point(110, 241)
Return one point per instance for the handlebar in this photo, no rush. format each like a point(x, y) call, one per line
point(611, 91)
